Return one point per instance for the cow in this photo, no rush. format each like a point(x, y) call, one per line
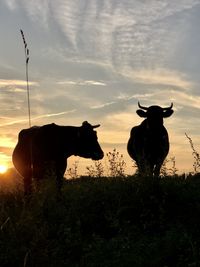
point(148, 144)
point(39, 147)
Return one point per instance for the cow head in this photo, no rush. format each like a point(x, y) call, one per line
point(154, 114)
point(88, 146)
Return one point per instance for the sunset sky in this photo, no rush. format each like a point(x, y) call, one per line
point(94, 60)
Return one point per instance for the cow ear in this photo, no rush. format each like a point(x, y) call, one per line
point(167, 113)
point(141, 113)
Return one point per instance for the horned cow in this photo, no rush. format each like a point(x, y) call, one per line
point(148, 144)
point(40, 146)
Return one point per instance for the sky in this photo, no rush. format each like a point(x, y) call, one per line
point(94, 60)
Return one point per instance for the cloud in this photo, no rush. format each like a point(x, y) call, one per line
point(125, 96)
point(6, 150)
point(4, 83)
point(102, 105)
point(122, 32)
point(11, 122)
point(186, 100)
point(6, 158)
point(181, 99)
point(37, 10)
point(119, 33)
point(11, 4)
point(90, 82)
point(159, 77)
point(6, 141)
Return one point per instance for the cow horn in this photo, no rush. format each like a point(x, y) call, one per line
point(142, 107)
point(95, 126)
point(85, 123)
point(168, 108)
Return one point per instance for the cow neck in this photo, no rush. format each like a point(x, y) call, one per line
point(154, 131)
point(77, 140)
point(70, 139)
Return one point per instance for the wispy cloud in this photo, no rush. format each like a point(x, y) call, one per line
point(184, 99)
point(124, 33)
point(6, 141)
point(4, 83)
point(11, 4)
point(181, 99)
point(98, 83)
point(124, 96)
point(102, 105)
point(159, 77)
point(37, 118)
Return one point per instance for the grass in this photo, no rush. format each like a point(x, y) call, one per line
point(123, 221)
point(99, 221)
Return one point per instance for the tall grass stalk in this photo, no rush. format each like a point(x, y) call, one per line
point(26, 51)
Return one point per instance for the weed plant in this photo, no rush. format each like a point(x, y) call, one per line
point(96, 170)
point(169, 167)
point(114, 166)
point(116, 163)
point(196, 157)
point(73, 171)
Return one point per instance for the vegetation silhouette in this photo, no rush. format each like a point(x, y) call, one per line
point(102, 221)
point(123, 221)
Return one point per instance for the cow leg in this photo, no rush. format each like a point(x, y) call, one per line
point(157, 169)
point(60, 171)
point(148, 170)
point(27, 184)
point(140, 167)
point(145, 169)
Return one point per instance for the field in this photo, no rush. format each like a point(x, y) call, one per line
point(96, 221)
point(108, 221)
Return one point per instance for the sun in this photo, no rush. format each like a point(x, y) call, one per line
point(3, 169)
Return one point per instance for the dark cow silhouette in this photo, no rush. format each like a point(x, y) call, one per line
point(41, 147)
point(149, 143)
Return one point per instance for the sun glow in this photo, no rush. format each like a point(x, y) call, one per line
point(3, 169)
